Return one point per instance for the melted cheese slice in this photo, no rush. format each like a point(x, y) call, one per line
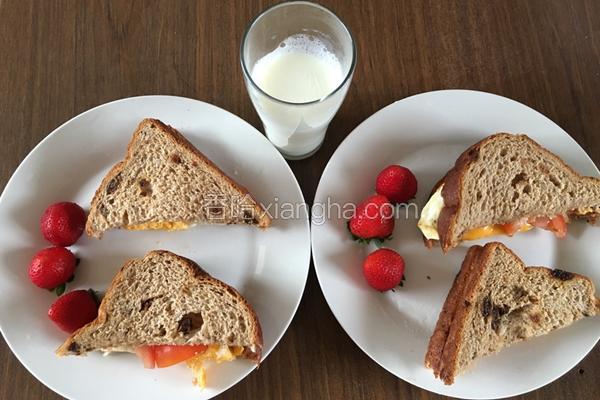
point(430, 214)
point(215, 352)
point(165, 226)
point(490, 230)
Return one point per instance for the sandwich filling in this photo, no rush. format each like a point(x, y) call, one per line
point(162, 356)
point(213, 353)
point(431, 212)
point(430, 215)
point(163, 225)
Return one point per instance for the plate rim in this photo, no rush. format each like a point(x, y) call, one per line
point(318, 195)
point(305, 217)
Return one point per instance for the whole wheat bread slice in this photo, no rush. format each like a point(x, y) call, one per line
point(165, 179)
point(164, 298)
point(496, 301)
point(507, 177)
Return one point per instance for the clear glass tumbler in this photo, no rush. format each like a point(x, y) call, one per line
point(298, 60)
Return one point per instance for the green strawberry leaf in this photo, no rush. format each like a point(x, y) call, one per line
point(71, 278)
point(94, 295)
point(401, 284)
point(60, 289)
point(379, 242)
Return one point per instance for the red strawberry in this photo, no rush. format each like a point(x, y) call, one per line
point(52, 267)
point(383, 269)
point(373, 219)
point(73, 310)
point(62, 223)
point(397, 183)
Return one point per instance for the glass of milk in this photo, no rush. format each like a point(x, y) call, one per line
point(298, 59)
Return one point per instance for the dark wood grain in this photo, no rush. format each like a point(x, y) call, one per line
point(60, 58)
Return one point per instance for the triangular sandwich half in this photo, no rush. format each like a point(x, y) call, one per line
point(160, 306)
point(496, 301)
point(503, 185)
point(164, 182)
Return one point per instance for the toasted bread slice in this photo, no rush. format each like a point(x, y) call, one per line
point(496, 301)
point(505, 178)
point(166, 183)
point(167, 299)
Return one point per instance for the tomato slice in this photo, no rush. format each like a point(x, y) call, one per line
point(513, 227)
point(558, 225)
point(167, 355)
point(146, 353)
point(540, 222)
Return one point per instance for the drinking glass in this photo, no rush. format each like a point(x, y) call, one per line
point(280, 84)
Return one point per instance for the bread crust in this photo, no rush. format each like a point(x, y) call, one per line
point(444, 344)
point(89, 228)
point(197, 273)
point(448, 360)
point(454, 181)
point(264, 220)
point(442, 327)
point(451, 194)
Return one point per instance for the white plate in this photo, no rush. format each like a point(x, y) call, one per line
point(426, 133)
point(268, 267)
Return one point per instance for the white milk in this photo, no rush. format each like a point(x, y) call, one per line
point(300, 70)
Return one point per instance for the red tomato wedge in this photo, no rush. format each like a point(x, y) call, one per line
point(511, 228)
point(558, 225)
point(146, 353)
point(166, 355)
point(163, 356)
point(540, 222)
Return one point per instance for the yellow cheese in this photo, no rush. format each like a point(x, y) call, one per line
point(490, 230)
point(165, 226)
point(483, 232)
point(215, 353)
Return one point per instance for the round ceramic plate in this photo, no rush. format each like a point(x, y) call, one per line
point(426, 133)
point(269, 267)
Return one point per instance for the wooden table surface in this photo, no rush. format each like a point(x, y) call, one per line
point(60, 58)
